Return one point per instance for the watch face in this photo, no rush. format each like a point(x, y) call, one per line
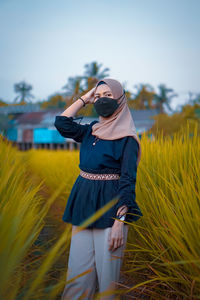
point(122, 218)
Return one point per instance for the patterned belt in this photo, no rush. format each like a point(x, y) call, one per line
point(99, 176)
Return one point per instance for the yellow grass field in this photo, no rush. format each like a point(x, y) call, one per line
point(162, 257)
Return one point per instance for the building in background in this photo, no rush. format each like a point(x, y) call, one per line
point(34, 128)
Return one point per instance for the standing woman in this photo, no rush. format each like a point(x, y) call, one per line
point(109, 155)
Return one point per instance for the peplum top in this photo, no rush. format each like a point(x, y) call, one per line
point(117, 156)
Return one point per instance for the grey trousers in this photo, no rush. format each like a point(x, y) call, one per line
point(89, 252)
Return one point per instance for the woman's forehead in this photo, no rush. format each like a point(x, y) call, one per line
point(103, 88)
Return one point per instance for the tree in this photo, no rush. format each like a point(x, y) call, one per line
point(93, 70)
point(171, 124)
point(54, 101)
point(23, 89)
point(93, 74)
point(143, 97)
point(73, 87)
point(163, 97)
point(127, 93)
point(3, 103)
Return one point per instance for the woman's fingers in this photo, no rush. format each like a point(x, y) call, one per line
point(89, 96)
point(122, 210)
point(115, 242)
point(110, 244)
point(91, 92)
point(92, 95)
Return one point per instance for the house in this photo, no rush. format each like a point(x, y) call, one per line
point(36, 129)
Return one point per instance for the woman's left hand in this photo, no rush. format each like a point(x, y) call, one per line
point(116, 237)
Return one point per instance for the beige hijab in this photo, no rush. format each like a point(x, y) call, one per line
point(120, 123)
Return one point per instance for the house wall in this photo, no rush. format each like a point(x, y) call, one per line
point(12, 134)
point(45, 135)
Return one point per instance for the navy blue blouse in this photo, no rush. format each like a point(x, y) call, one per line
point(106, 156)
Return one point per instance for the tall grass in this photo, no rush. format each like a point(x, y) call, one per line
point(162, 257)
point(29, 257)
point(165, 243)
point(163, 246)
point(24, 265)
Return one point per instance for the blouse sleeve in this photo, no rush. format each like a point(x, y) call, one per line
point(68, 128)
point(127, 180)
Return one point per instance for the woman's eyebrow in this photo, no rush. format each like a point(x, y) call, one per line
point(103, 93)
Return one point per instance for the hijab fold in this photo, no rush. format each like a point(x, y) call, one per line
point(120, 123)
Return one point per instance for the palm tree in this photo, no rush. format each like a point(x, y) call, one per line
point(93, 74)
point(23, 89)
point(73, 87)
point(163, 97)
point(93, 70)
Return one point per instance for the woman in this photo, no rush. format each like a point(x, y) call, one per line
point(109, 155)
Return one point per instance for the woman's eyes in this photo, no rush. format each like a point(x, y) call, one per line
point(106, 95)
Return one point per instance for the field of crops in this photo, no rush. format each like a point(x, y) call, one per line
point(162, 257)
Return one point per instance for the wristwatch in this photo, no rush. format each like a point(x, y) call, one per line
point(122, 218)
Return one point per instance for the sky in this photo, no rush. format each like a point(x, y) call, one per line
point(44, 42)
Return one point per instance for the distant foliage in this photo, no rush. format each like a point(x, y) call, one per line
point(168, 125)
point(3, 103)
point(55, 101)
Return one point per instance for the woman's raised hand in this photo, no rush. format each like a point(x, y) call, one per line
point(89, 96)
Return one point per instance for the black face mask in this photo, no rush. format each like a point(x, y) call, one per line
point(106, 106)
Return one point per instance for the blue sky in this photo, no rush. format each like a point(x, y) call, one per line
point(141, 41)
